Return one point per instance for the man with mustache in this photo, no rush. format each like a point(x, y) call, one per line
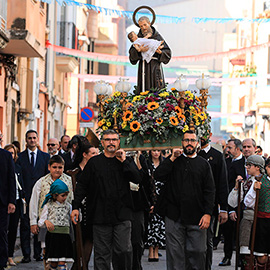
point(105, 184)
point(188, 203)
point(154, 77)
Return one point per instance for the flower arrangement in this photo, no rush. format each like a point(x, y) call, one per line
point(154, 115)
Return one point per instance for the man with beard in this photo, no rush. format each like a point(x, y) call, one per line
point(218, 166)
point(150, 75)
point(105, 184)
point(187, 204)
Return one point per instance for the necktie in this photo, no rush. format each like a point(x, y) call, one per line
point(32, 159)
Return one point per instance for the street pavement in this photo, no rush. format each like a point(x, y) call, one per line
point(161, 265)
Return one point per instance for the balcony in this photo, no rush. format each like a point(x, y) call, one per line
point(25, 23)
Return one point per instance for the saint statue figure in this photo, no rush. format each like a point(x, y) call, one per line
point(150, 75)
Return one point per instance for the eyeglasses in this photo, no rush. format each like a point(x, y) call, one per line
point(248, 165)
point(51, 144)
point(108, 140)
point(189, 140)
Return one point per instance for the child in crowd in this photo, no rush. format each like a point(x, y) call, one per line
point(262, 236)
point(152, 44)
point(56, 217)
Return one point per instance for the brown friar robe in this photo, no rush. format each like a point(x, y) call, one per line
point(154, 77)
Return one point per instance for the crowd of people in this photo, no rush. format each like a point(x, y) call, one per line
point(183, 200)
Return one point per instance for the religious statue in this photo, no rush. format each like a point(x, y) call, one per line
point(150, 73)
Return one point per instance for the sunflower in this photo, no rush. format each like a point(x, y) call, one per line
point(128, 115)
point(152, 106)
point(181, 116)
point(159, 121)
point(101, 122)
point(129, 104)
point(108, 124)
point(178, 110)
point(144, 93)
point(174, 121)
point(104, 128)
point(134, 126)
point(164, 94)
point(136, 98)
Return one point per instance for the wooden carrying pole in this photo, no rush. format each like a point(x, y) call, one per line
point(251, 261)
point(81, 263)
point(238, 225)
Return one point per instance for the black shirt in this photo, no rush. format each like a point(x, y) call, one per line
point(105, 183)
point(190, 189)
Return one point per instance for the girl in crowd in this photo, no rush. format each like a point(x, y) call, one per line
point(156, 225)
point(56, 217)
point(20, 203)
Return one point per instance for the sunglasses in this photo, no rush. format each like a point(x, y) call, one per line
point(51, 144)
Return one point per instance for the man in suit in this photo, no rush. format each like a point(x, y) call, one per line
point(236, 168)
point(7, 201)
point(69, 157)
point(34, 164)
point(64, 144)
point(218, 166)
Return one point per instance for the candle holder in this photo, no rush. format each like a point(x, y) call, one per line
point(203, 84)
point(181, 85)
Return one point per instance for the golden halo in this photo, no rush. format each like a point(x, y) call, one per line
point(143, 7)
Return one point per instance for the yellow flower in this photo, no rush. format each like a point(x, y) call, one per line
point(159, 121)
point(173, 89)
point(174, 121)
point(114, 113)
point(128, 115)
point(108, 124)
point(186, 128)
point(104, 128)
point(164, 94)
point(152, 105)
point(144, 93)
point(136, 98)
point(124, 124)
point(116, 94)
point(135, 126)
point(197, 123)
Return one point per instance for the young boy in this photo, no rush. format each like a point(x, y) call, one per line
point(254, 167)
point(262, 236)
point(152, 44)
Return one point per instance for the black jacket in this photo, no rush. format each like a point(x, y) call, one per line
point(7, 179)
point(219, 170)
point(31, 175)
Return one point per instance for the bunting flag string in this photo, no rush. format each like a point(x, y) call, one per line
point(159, 18)
point(114, 79)
point(102, 57)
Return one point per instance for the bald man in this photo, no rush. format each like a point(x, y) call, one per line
point(53, 146)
